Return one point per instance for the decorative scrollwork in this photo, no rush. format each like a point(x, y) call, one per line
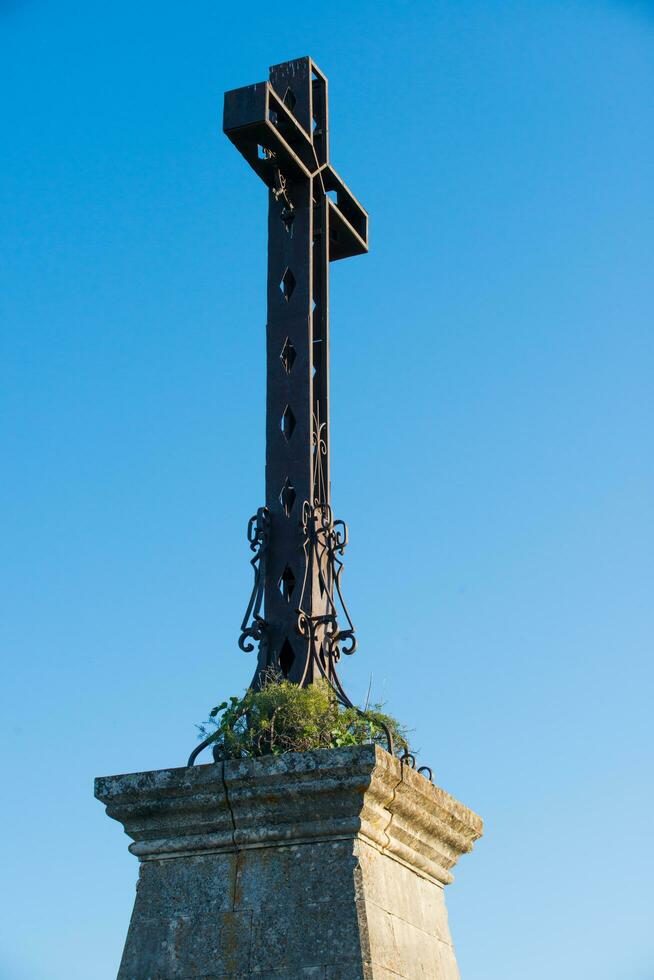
point(320, 450)
point(325, 541)
point(254, 625)
point(410, 760)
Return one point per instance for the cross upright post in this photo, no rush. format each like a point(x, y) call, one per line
point(281, 127)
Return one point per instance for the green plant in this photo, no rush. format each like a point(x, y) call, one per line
point(282, 717)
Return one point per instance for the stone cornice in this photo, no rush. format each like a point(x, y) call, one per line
point(358, 791)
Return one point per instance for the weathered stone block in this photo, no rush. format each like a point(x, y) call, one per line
point(326, 864)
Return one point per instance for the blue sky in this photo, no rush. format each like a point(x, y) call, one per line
point(492, 419)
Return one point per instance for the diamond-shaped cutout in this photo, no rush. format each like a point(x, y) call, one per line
point(287, 497)
point(288, 356)
point(286, 658)
point(287, 583)
point(287, 284)
point(288, 423)
point(289, 99)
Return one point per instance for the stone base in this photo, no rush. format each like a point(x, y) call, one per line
point(324, 864)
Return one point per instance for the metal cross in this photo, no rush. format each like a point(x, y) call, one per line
point(281, 127)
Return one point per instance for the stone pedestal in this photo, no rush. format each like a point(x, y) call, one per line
point(326, 864)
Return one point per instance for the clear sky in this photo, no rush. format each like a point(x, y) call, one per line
point(492, 417)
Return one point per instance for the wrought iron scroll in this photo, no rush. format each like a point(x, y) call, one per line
point(410, 760)
point(254, 625)
point(320, 451)
point(325, 541)
point(200, 748)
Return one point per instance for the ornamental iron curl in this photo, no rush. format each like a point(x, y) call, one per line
point(325, 541)
point(410, 760)
point(254, 625)
point(320, 451)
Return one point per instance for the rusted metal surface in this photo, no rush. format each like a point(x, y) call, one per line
point(296, 615)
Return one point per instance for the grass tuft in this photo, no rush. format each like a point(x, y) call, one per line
point(282, 717)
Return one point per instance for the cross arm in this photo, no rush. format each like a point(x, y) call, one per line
point(348, 220)
point(267, 134)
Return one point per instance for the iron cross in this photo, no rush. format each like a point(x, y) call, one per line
point(281, 127)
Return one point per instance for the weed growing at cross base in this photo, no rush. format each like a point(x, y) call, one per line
point(282, 717)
